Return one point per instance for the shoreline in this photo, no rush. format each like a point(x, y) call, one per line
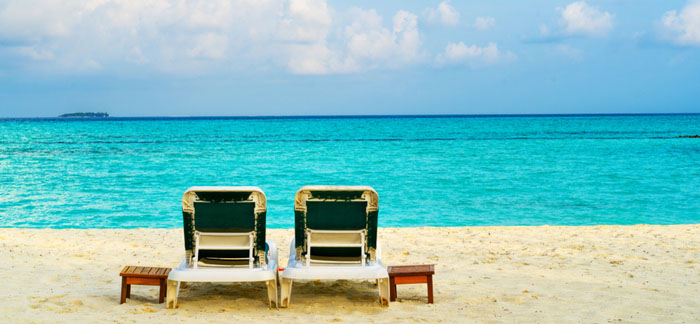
point(493, 274)
point(380, 227)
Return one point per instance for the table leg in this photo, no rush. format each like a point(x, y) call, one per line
point(392, 289)
point(128, 291)
point(123, 296)
point(161, 293)
point(430, 289)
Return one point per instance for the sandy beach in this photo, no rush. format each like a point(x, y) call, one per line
point(545, 274)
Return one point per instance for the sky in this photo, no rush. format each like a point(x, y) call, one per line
point(324, 57)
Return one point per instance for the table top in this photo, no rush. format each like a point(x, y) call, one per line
point(145, 272)
point(424, 269)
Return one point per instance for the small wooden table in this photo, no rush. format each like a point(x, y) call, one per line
point(411, 274)
point(149, 276)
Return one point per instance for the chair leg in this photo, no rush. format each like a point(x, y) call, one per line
point(272, 292)
point(172, 294)
point(384, 291)
point(286, 292)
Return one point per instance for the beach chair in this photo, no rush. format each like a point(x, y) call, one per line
point(335, 237)
point(225, 240)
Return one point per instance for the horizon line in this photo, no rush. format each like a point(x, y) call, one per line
point(358, 116)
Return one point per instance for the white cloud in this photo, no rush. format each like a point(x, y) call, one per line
point(367, 38)
point(683, 28)
point(37, 19)
point(306, 21)
point(444, 14)
point(579, 18)
point(316, 11)
point(460, 53)
point(484, 23)
point(172, 36)
point(199, 36)
point(317, 59)
point(406, 36)
point(363, 45)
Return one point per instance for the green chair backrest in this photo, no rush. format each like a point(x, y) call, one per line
point(227, 210)
point(336, 215)
point(339, 208)
point(231, 216)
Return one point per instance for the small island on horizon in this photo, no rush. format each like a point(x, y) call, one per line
point(85, 115)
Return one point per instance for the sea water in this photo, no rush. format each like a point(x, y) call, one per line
point(436, 171)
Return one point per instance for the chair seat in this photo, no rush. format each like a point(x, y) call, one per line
point(223, 263)
point(224, 274)
point(323, 260)
point(297, 270)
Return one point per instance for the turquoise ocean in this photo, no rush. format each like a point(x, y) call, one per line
point(428, 171)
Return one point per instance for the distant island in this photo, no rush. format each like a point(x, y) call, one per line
point(85, 115)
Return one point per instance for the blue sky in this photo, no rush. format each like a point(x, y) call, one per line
point(310, 57)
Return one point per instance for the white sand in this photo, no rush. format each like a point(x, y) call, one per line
point(598, 274)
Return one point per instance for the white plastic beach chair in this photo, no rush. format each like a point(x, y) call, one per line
point(335, 238)
point(225, 240)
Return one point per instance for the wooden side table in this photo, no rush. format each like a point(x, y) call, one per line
point(411, 274)
point(149, 276)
